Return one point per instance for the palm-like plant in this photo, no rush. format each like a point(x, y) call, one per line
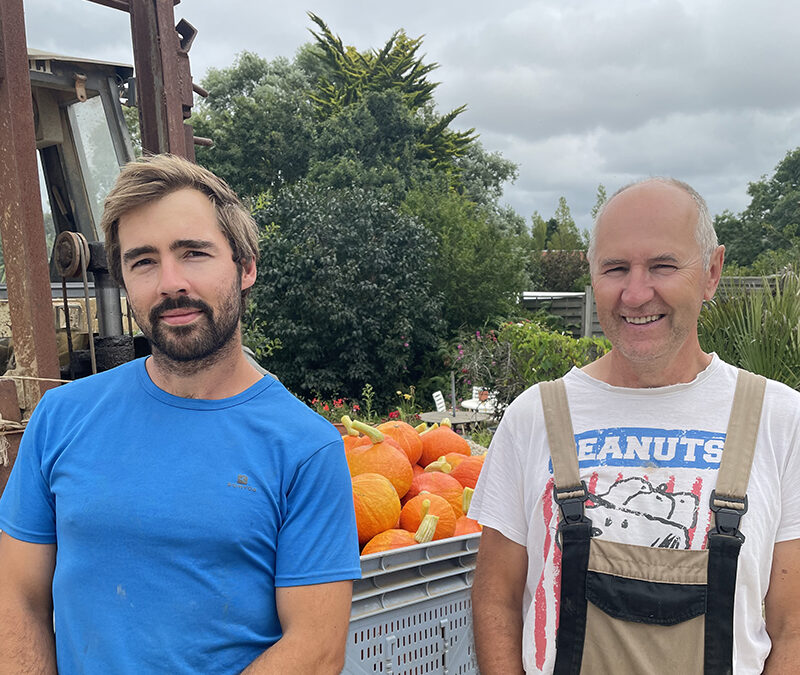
point(759, 329)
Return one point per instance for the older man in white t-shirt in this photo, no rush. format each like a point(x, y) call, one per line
point(649, 420)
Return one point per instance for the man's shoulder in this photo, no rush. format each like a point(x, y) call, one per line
point(88, 388)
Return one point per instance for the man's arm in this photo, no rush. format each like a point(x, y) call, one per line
point(782, 607)
point(497, 593)
point(27, 642)
point(314, 620)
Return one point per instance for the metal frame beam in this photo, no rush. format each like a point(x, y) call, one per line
point(21, 219)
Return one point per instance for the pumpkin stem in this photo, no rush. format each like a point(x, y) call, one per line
point(421, 427)
point(441, 465)
point(426, 504)
point(375, 435)
point(429, 429)
point(466, 499)
point(426, 529)
point(348, 425)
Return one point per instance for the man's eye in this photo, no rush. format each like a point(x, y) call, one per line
point(196, 254)
point(664, 267)
point(616, 270)
point(141, 263)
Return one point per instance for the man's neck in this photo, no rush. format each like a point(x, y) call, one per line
point(222, 375)
point(616, 370)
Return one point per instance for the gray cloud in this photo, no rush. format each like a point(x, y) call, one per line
point(576, 93)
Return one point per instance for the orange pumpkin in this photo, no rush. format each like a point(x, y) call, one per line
point(442, 484)
point(380, 455)
point(406, 437)
point(352, 441)
point(440, 441)
point(376, 504)
point(389, 540)
point(466, 525)
point(425, 504)
point(467, 472)
point(454, 459)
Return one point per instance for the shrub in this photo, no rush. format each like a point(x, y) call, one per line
point(343, 288)
point(757, 329)
point(517, 355)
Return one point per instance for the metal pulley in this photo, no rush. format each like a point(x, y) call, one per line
point(71, 258)
point(71, 254)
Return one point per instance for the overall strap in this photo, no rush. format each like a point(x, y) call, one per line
point(729, 504)
point(574, 528)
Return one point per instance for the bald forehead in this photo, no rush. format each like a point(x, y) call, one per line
point(648, 201)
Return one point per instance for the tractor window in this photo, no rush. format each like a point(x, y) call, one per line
point(95, 152)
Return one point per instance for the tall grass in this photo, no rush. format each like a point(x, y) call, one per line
point(758, 330)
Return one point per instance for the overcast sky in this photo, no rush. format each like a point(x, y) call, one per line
point(575, 92)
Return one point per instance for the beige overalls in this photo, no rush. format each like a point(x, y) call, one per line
point(639, 610)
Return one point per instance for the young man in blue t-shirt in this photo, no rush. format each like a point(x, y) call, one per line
point(181, 513)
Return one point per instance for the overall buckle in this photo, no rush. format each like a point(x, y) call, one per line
point(571, 501)
point(727, 519)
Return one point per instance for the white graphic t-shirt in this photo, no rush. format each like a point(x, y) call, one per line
point(649, 458)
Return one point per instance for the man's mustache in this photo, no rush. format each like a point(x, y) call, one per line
point(179, 303)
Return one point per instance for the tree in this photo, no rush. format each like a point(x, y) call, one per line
point(344, 285)
point(479, 269)
point(566, 236)
point(538, 232)
point(349, 75)
point(372, 142)
point(600, 199)
point(770, 224)
point(261, 121)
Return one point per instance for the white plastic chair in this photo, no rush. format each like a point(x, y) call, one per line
point(476, 392)
point(438, 399)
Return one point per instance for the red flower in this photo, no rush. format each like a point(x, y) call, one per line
point(325, 407)
point(356, 406)
point(394, 414)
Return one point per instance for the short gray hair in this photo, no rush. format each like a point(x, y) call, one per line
point(704, 230)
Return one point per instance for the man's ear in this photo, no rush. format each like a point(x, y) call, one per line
point(248, 273)
point(714, 272)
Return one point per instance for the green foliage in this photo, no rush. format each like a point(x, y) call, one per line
point(131, 115)
point(519, 354)
point(538, 232)
point(479, 270)
point(261, 121)
point(558, 259)
point(344, 284)
point(566, 237)
point(371, 143)
point(758, 330)
point(770, 225)
point(600, 199)
point(563, 271)
point(348, 75)
point(481, 174)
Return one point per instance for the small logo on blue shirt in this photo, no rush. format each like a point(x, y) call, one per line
point(242, 483)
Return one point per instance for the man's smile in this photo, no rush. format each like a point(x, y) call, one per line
point(640, 320)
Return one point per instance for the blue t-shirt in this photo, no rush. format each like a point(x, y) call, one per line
point(176, 518)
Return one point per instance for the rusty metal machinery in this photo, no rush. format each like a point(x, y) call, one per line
point(74, 256)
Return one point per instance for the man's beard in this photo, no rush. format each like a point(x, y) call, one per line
point(199, 344)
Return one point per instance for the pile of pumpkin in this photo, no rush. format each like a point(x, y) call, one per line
point(411, 485)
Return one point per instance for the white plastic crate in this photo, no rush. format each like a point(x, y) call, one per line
point(412, 612)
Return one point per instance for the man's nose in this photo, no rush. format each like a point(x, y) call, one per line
point(638, 288)
point(171, 280)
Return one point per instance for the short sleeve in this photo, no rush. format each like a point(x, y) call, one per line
point(318, 541)
point(498, 501)
point(27, 507)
